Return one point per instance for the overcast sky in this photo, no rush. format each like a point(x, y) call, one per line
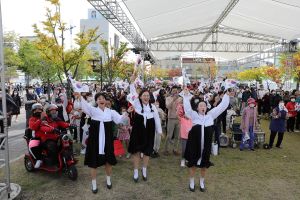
point(20, 15)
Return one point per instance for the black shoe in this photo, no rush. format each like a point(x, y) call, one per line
point(211, 164)
point(252, 149)
point(202, 189)
point(144, 177)
point(241, 149)
point(136, 180)
point(154, 154)
point(279, 147)
point(109, 186)
point(192, 189)
point(95, 191)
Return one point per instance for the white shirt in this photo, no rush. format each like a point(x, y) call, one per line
point(208, 119)
point(147, 114)
point(106, 115)
point(204, 120)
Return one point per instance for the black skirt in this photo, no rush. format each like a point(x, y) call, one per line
point(193, 147)
point(142, 138)
point(92, 157)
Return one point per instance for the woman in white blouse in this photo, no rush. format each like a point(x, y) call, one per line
point(100, 149)
point(145, 123)
point(198, 147)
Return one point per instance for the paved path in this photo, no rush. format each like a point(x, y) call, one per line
point(16, 143)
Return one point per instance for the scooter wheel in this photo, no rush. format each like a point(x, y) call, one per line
point(72, 173)
point(28, 164)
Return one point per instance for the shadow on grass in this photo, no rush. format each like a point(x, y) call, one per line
point(263, 174)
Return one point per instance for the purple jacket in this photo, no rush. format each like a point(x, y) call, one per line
point(245, 119)
point(278, 124)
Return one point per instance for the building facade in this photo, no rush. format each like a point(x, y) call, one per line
point(105, 29)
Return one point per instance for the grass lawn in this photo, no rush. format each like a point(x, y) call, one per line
point(263, 174)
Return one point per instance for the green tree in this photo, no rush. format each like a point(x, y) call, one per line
point(34, 65)
point(51, 44)
point(11, 58)
point(113, 63)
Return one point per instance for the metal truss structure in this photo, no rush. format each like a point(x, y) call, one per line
point(218, 47)
point(221, 29)
point(215, 26)
point(115, 14)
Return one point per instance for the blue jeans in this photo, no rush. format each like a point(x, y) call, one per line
point(251, 140)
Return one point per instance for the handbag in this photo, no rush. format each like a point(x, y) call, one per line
point(118, 148)
point(246, 137)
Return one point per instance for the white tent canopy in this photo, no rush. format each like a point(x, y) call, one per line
point(271, 17)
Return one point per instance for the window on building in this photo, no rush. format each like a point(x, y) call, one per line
point(93, 14)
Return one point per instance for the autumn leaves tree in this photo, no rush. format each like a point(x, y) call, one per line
point(50, 43)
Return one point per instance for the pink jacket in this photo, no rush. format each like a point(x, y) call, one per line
point(185, 123)
point(245, 119)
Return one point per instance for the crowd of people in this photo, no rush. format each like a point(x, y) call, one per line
point(190, 118)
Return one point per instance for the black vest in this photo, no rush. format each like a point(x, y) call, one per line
point(30, 97)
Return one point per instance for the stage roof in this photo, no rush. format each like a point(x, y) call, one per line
point(275, 18)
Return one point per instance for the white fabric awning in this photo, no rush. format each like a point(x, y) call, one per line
point(272, 17)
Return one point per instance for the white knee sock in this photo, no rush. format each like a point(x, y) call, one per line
point(135, 173)
point(192, 183)
point(108, 182)
point(94, 184)
point(202, 182)
point(144, 171)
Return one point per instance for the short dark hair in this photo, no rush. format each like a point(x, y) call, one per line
point(195, 101)
point(174, 87)
point(97, 95)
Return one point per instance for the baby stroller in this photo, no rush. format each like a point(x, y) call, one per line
point(236, 132)
point(259, 136)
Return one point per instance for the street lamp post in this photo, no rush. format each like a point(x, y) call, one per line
point(95, 69)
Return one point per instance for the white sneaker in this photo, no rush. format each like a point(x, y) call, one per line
point(182, 164)
point(83, 151)
point(297, 131)
point(142, 155)
point(38, 164)
point(128, 155)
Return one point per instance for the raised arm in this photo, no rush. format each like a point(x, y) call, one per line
point(215, 112)
point(187, 106)
point(131, 86)
point(86, 107)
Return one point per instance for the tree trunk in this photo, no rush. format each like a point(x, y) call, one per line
point(75, 72)
point(48, 88)
point(61, 82)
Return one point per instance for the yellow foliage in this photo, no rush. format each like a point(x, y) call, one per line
point(231, 75)
point(252, 74)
